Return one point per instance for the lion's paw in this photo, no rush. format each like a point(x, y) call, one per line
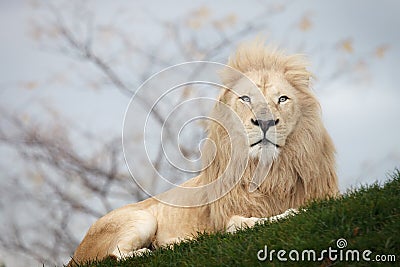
point(238, 222)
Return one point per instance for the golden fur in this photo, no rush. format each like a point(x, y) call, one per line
point(266, 181)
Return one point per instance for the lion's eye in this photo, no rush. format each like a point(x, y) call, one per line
point(282, 99)
point(245, 98)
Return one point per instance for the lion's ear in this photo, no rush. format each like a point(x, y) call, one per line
point(223, 96)
point(296, 72)
point(229, 76)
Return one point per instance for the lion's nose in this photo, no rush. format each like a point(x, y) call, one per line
point(265, 125)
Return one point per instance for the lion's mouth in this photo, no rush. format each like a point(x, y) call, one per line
point(264, 141)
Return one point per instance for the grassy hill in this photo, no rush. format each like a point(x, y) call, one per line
point(367, 219)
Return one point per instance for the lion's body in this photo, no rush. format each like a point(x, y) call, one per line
point(302, 167)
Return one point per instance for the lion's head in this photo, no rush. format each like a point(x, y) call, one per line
point(274, 121)
point(273, 100)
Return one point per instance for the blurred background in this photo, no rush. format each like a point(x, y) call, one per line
point(69, 68)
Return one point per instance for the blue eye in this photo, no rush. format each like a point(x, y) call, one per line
point(282, 99)
point(245, 98)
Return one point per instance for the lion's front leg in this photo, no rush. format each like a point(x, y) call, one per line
point(237, 222)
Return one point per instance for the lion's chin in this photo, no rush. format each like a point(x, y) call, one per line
point(264, 152)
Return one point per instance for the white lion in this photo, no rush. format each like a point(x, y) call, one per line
point(282, 158)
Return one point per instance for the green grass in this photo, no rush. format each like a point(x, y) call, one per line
point(368, 218)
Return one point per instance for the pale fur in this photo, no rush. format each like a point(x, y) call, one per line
point(302, 169)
